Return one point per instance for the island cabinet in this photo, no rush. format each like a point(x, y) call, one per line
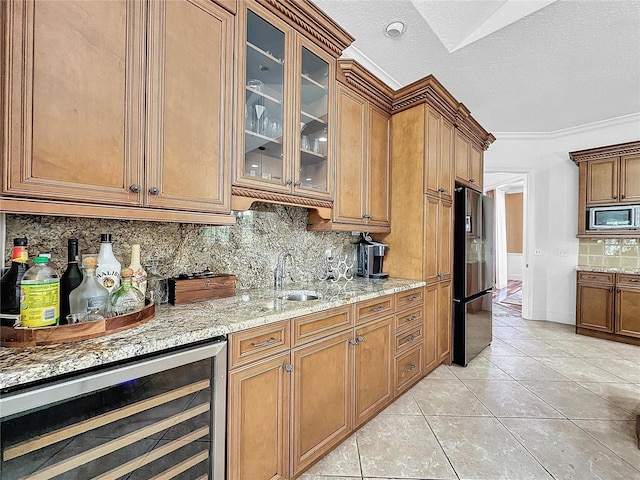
point(608, 306)
point(362, 153)
point(118, 109)
point(285, 95)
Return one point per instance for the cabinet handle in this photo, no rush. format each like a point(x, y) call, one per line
point(611, 289)
point(408, 339)
point(440, 274)
point(366, 216)
point(288, 367)
point(412, 298)
point(472, 180)
point(622, 196)
point(411, 318)
point(134, 188)
point(442, 190)
point(298, 183)
point(377, 309)
point(153, 191)
point(359, 339)
point(410, 368)
point(615, 196)
point(264, 343)
point(353, 341)
point(288, 182)
point(619, 291)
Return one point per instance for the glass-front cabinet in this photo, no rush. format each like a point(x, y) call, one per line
point(285, 89)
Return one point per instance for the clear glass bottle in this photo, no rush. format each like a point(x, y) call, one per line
point(139, 279)
point(127, 298)
point(40, 295)
point(70, 279)
point(108, 270)
point(157, 288)
point(90, 300)
point(10, 282)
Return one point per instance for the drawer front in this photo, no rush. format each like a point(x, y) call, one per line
point(376, 308)
point(408, 366)
point(600, 277)
point(258, 343)
point(319, 325)
point(409, 319)
point(629, 279)
point(409, 299)
point(405, 341)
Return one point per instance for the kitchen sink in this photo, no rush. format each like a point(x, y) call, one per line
point(300, 296)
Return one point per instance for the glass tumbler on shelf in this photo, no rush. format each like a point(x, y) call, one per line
point(157, 287)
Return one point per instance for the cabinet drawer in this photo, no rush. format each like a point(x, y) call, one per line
point(600, 277)
point(629, 279)
point(370, 309)
point(409, 299)
point(319, 325)
point(405, 341)
point(409, 319)
point(408, 367)
point(258, 342)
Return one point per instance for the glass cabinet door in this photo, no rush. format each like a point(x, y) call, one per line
point(314, 107)
point(264, 102)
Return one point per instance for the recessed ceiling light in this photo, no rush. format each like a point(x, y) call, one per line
point(394, 29)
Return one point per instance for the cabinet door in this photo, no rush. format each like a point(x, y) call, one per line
point(628, 311)
point(432, 153)
point(321, 406)
point(75, 100)
point(446, 174)
point(630, 179)
point(430, 332)
point(461, 155)
point(378, 175)
point(258, 421)
point(443, 325)
point(445, 240)
point(602, 181)
point(351, 157)
point(431, 242)
point(595, 307)
point(476, 167)
point(373, 360)
point(189, 106)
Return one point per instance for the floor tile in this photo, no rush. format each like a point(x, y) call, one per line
point(537, 348)
point(624, 395)
point(482, 448)
point(479, 368)
point(617, 436)
point(405, 405)
point(619, 367)
point(576, 402)
point(498, 348)
point(578, 369)
point(526, 368)
point(442, 372)
point(401, 446)
point(579, 349)
point(510, 333)
point(342, 461)
point(623, 350)
point(327, 477)
point(510, 399)
point(567, 451)
point(446, 397)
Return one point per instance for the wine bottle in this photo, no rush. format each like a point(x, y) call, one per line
point(10, 282)
point(71, 278)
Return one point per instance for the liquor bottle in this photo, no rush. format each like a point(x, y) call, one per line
point(40, 295)
point(127, 298)
point(139, 279)
point(108, 270)
point(71, 278)
point(10, 282)
point(90, 300)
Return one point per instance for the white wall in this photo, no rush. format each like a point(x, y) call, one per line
point(554, 204)
point(515, 265)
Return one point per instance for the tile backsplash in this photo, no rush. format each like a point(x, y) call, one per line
point(248, 249)
point(610, 253)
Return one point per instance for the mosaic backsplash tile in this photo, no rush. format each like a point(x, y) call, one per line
point(248, 249)
point(609, 253)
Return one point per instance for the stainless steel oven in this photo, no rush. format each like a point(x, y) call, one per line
point(619, 217)
point(157, 417)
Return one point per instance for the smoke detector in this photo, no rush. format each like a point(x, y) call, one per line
point(394, 29)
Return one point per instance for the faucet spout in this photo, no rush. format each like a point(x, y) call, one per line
point(281, 267)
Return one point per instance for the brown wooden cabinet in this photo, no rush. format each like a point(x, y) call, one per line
point(155, 142)
point(443, 325)
point(469, 162)
point(608, 306)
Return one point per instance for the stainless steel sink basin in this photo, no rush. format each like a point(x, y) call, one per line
point(301, 296)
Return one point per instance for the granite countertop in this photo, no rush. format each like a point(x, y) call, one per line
point(627, 270)
point(179, 325)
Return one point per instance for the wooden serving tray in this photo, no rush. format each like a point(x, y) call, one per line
point(33, 337)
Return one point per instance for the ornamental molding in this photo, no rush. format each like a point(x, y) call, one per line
point(281, 198)
point(622, 149)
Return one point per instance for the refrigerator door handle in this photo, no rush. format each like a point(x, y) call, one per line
point(457, 300)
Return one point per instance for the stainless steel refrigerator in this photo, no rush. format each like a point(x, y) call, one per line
point(472, 274)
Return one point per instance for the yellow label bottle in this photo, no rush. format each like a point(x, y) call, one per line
point(40, 295)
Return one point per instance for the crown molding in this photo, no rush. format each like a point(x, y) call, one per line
point(354, 75)
point(352, 52)
point(630, 148)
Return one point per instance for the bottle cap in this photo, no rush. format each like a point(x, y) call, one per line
point(89, 262)
point(20, 242)
point(72, 240)
point(41, 259)
point(126, 273)
point(105, 237)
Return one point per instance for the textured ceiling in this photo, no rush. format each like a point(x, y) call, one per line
point(567, 64)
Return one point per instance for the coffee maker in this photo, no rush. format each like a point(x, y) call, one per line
point(370, 257)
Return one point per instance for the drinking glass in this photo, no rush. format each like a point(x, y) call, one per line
point(305, 142)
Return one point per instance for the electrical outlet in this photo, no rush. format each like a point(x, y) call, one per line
point(327, 253)
point(537, 252)
point(562, 253)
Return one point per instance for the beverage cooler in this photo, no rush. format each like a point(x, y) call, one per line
point(157, 417)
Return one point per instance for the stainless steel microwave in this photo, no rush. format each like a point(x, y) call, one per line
point(619, 217)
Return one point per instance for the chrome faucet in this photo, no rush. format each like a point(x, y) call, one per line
point(281, 267)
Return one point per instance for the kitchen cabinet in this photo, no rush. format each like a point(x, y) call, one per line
point(469, 162)
point(438, 170)
point(362, 158)
point(438, 236)
point(431, 358)
point(608, 306)
point(154, 144)
point(286, 98)
point(443, 323)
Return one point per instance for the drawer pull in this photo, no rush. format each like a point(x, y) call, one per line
point(377, 309)
point(408, 339)
point(411, 299)
point(353, 341)
point(264, 343)
point(288, 367)
point(410, 368)
point(411, 318)
point(359, 339)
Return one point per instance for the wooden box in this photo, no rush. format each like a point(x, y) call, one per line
point(198, 289)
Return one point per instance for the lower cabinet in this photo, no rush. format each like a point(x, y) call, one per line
point(627, 316)
point(443, 325)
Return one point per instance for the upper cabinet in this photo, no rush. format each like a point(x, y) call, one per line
point(439, 155)
point(607, 176)
point(118, 109)
point(468, 162)
point(285, 95)
point(362, 153)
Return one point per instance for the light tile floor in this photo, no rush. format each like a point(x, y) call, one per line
point(539, 403)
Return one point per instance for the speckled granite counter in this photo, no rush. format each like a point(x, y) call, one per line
point(179, 325)
point(630, 271)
